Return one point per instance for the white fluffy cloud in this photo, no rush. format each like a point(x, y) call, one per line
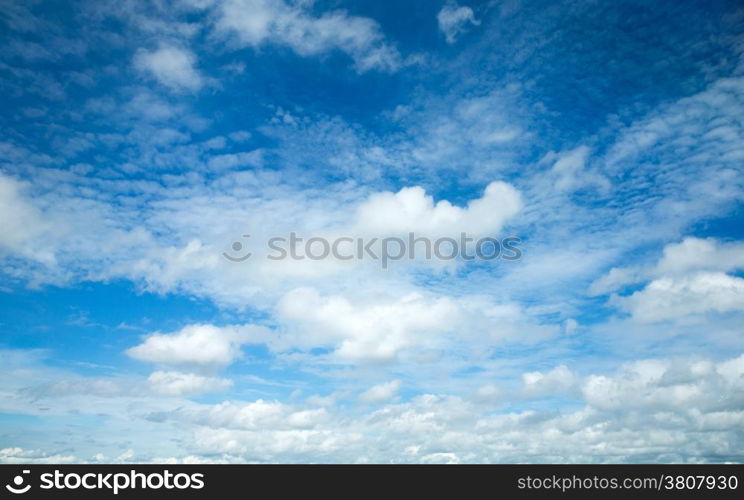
point(196, 345)
point(677, 260)
point(172, 66)
point(412, 210)
point(694, 254)
point(454, 20)
point(669, 298)
point(371, 331)
point(690, 278)
point(404, 327)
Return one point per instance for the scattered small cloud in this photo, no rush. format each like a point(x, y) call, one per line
point(170, 66)
point(454, 20)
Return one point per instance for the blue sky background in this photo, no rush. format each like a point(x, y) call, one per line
point(139, 140)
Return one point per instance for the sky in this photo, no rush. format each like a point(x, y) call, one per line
point(146, 147)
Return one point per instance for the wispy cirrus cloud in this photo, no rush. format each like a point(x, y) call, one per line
point(258, 22)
